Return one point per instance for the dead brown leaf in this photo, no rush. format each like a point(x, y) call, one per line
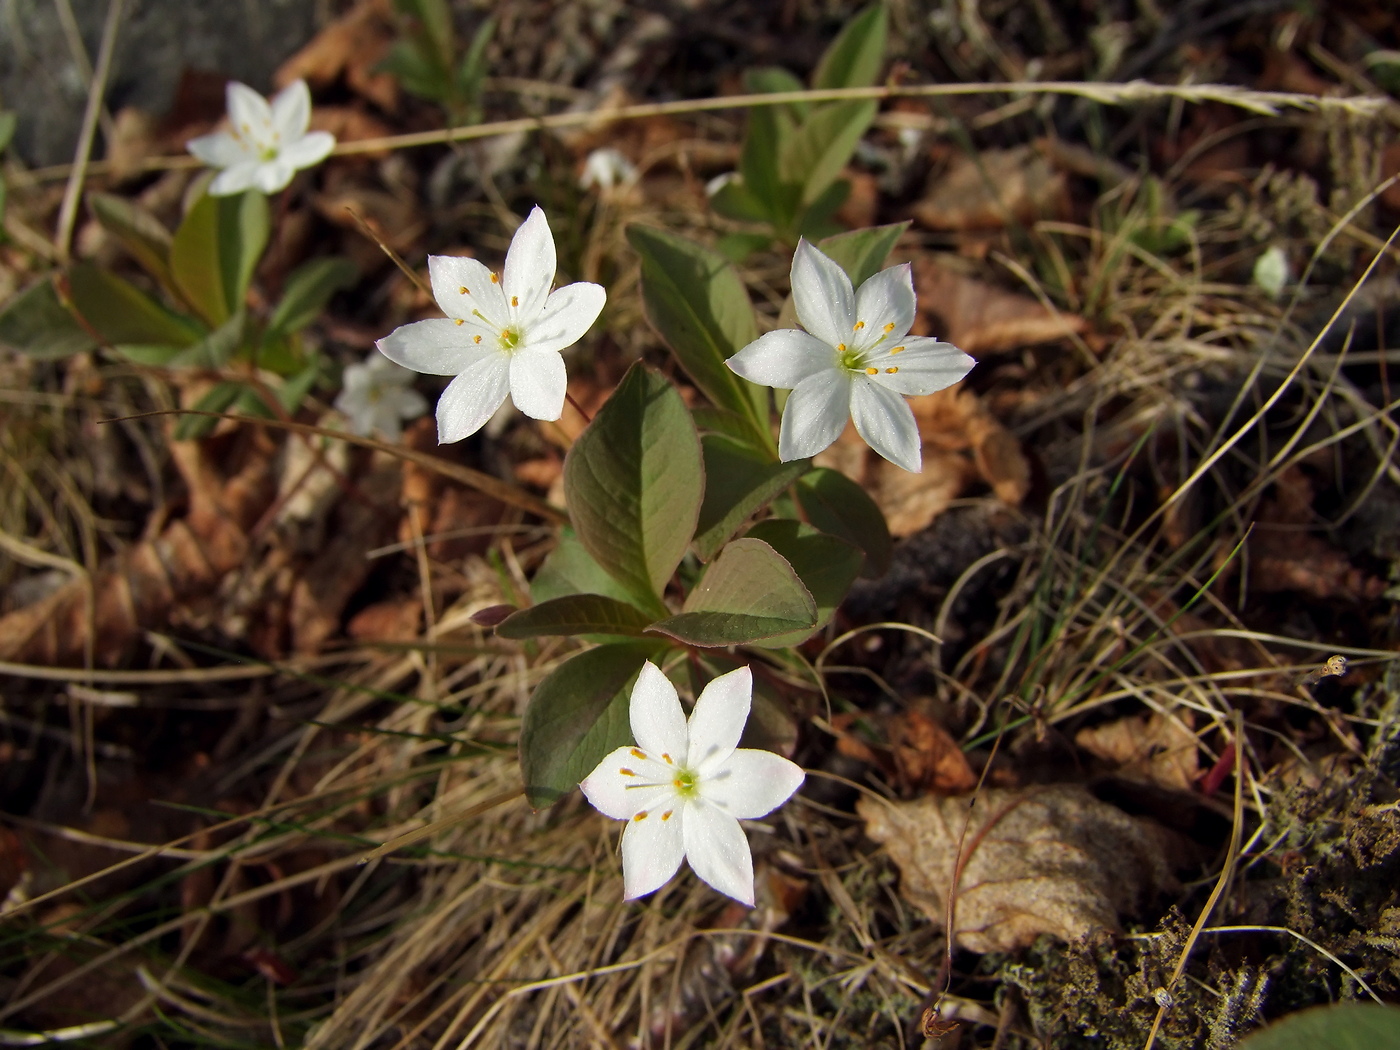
point(927, 757)
point(1155, 748)
point(980, 318)
point(353, 45)
point(994, 189)
point(1043, 859)
point(389, 621)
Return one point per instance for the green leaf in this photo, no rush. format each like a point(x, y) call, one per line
point(696, 301)
point(633, 482)
point(836, 504)
point(734, 201)
point(120, 313)
point(576, 716)
point(739, 246)
point(770, 128)
point(814, 156)
point(217, 348)
point(215, 251)
point(293, 391)
point(748, 594)
point(472, 69)
point(37, 324)
point(307, 291)
point(218, 399)
point(415, 71)
point(570, 569)
point(863, 253)
point(826, 566)
point(775, 80)
point(575, 614)
point(1342, 1026)
point(817, 221)
point(855, 56)
point(8, 121)
point(143, 235)
point(739, 482)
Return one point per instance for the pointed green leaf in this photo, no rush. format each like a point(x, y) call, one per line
point(217, 348)
point(576, 716)
point(856, 55)
point(1341, 1026)
point(836, 504)
point(143, 236)
point(219, 398)
point(826, 566)
point(215, 251)
point(307, 291)
point(734, 201)
point(749, 593)
point(633, 482)
point(294, 389)
point(8, 120)
point(575, 614)
point(570, 569)
point(815, 154)
point(37, 324)
point(739, 482)
point(775, 80)
point(120, 312)
point(696, 301)
point(863, 253)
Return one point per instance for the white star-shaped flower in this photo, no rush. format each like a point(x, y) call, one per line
point(686, 785)
point(502, 334)
point(855, 360)
point(377, 396)
point(267, 143)
point(606, 168)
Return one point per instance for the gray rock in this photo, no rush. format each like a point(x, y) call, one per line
point(158, 40)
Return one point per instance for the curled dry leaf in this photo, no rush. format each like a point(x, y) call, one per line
point(1043, 859)
point(1157, 749)
point(354, 44)
point(994, 189)
point(981, 318)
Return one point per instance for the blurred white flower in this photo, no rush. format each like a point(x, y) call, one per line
point(502, 334)
point(855, 360)
point(605, 168)
point(266, 145)
point(720, 181)
point(377, 396)
point(1271, 271)
point(686, 785)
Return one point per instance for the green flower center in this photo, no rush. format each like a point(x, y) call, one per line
point(510, 339)
point(850, 360)
point(269, 153)
point(686, 783)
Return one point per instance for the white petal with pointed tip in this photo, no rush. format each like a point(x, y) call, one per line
point(815, 415)
point(290, 111)
point(240, 177)
point(886, 422)
point(567, 315)
point(436, 347)
point(449, 274)
point(538, 383)
point(471, 398)
point(219, 150)
point(530, 266)
point(886, 299)
point(783, 358)
point(718, 852)
point(611, 791)
point(822, 293)
point(652, 851)
point(657, 720)
point(307, 151)
point(925, 366)
point(718, 720)
point(752, 783)
point(246, 108)
point(272, 176)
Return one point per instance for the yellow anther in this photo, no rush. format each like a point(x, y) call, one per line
point(666, 757)
point(638, 754)
point(840, 348)
point(891, 371)
point(463, 290)
point(515, 300)
point(640, 816)
point(476, 339)
point(458, 322)
point(495, 279)
point(872, 371)
point(677, 783)
point(859, 325)
point(897, 350)
point(889, 328)
point(626, 772)
point(667, 814)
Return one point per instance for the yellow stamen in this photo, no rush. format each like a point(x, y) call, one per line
point(859, 325)
point(667, 814)
point(495, 279)
point(638, 753)
point(840, 348)
point(458, 322)
point(626, 772)
point(515, 300)
point(476, 339)
point(666, 757)
point(889, 328)
point(677, 783)
point(463, 290)
point(872, 371)
point(891, 371)
point(897, 350)
point(640, 816)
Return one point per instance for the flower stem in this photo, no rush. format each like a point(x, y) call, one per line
point(577, 407)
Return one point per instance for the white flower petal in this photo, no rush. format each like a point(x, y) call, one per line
point(613, 786)
point(568, 313)
point(385, 420)
point(530, 266)
point(822, 293)
point(718, 720)
point(219, 150)
point(307, 151)
point(450, 274)
point(885, 299)
point(925, 365)
point(240, 177)
point(752, 783)
point(718, 851)
point(783, 358)
point(472, 397)
point(658, 722)
point(886, 422)
point(815, 414)
point(538, 382)
point(272, 176)
point(436, 347)
point(354, 405)
point(407, 404)
point(248, 110)
point(652, 851)
point(290, 112)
